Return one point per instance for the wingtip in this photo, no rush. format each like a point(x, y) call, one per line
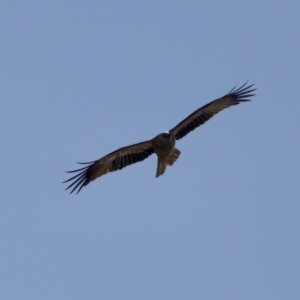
point(242, 93)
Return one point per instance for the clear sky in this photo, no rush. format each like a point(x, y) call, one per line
point(80, 79)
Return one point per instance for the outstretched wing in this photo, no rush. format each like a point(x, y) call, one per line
point(114, 161)
point(203, 114)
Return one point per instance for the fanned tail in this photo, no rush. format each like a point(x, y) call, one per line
point(161, 167)
point(173, 157)
point(163, 164)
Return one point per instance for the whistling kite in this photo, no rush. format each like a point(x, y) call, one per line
point(163, 144)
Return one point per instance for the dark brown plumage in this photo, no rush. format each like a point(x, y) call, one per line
point(204, 113)
point(163, 144)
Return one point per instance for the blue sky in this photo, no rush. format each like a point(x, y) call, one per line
point(81, 79)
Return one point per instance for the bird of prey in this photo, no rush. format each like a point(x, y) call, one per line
point(163, 144)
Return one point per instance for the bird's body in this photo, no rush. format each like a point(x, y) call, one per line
point(163, 145)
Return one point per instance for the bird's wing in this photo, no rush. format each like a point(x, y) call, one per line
point(114, 161)
point(204, 113)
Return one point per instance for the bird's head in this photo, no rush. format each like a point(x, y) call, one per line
point(166, 134)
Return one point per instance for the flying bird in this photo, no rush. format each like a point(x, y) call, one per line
point(163, 145)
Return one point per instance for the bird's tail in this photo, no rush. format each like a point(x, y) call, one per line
point(162, 165)
point(173, 157)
